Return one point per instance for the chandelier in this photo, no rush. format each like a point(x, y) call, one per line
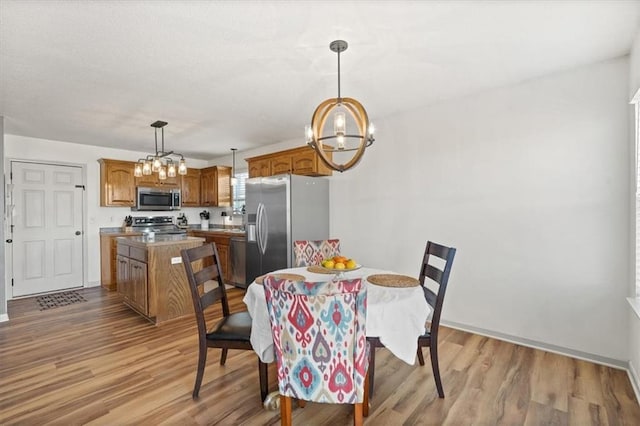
point(166, 164)
point(347, 135)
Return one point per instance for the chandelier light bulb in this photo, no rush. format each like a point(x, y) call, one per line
point(171, 170)
point(137, 170)
point(146, 168)
point(339, 124)
point(372, 129)
point(308, 133)
point(340, 141)
point(162, 173)
point(157, 164)
point(182, 167)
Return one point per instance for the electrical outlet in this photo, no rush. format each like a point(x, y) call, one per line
point(176, 260)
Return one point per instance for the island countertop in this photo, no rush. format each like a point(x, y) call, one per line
point(158, 240)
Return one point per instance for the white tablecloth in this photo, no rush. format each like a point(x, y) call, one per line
point(396, 315)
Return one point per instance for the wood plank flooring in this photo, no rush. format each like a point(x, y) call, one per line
point(99, 363)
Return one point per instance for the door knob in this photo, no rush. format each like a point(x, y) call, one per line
point(9, 240)
point(78, 233)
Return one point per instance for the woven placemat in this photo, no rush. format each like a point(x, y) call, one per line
point(319, 270)
point(291, 277)
point(393, 280)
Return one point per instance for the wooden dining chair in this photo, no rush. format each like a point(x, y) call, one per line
point(437, 277)
point(313, 252)
point(319, 334)
point(233, 331)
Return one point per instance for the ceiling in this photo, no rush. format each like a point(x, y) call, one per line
point(243, 74)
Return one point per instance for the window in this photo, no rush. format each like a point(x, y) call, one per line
point(239, 192)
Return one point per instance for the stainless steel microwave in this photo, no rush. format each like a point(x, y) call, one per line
point(157, 199)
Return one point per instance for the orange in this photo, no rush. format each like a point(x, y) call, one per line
point(340, 259)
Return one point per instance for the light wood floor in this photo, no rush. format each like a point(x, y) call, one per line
point(97, 362)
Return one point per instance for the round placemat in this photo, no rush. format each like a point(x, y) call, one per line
point(393, 280)
point(319, 270)
point(291, 277)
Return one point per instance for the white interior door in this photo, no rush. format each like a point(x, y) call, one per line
point(47, 227)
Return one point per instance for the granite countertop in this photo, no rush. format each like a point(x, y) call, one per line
point(158, 240)
point(117, 230)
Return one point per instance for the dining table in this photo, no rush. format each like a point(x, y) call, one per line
point(395, 314)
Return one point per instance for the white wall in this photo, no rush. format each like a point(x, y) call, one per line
point(530, 183)
point(634, 321)
point(22, 148)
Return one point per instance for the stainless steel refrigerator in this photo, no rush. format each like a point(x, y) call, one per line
point(281, 209)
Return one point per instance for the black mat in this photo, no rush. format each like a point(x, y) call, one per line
point(56, 300)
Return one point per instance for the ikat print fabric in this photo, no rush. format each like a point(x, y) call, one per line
point(312, 252)
point(320, 338)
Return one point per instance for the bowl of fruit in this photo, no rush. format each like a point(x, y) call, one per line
point(340, 264)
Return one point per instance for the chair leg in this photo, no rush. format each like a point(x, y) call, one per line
point(223, 356)
point(436, 368)
point(357, 414)
point(365, 399)
point(372, 368)
point(263, 372)
point(285, 410)
point(420, 356)
point(202, 360)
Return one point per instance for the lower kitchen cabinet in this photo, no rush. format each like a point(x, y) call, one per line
point(151, 276)
point(108, 256)
point(222, 245)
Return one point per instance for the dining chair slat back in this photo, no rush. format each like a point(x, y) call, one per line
point(313, 252)
point(233, 330)
point(430, 275)
point(319, 334)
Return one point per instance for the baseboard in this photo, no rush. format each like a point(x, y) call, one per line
point(4, 317)
point(635, 381)
point(609, 362)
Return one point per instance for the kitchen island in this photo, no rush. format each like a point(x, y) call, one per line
point(151, 277)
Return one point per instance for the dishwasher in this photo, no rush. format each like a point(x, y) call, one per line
point(237, 248)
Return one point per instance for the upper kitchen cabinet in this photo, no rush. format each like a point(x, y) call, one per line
point(259, 167)
point(117, 183)
point(191, 188)
point(153, 180)
point(215, 186)
point(298, 161)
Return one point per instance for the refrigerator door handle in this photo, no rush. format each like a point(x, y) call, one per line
point(261, 229)
point(265, 229)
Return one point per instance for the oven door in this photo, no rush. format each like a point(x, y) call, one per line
point(153, 199)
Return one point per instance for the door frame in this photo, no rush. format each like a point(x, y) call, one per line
point(8, 254)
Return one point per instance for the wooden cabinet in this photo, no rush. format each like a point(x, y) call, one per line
point(190, 188)
point(210, 187)
point(300, 161)
point(132, 277)
point(152, 180)
point(222, 242)
point(108, 255)
point(117, 183)
point(259, 167)
point(150, 279)
point(215, 186)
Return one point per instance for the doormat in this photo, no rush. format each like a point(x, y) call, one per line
point(49, 301)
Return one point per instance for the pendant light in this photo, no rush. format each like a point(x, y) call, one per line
point(166, 164)
point(352, 131)
point(234, 180)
